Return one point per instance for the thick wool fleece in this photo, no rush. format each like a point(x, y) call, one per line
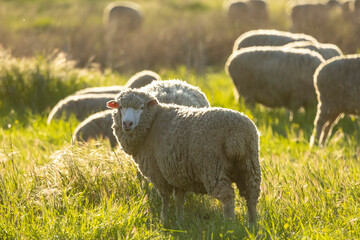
point(326, 50)
point(266, 37)
point(337, 85)
point(138, 80)
point(274, 76)
point(201, 150)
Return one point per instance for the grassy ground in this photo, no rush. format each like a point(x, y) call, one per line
point(52, 189)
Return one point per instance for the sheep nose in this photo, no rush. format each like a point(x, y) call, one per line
point(127, 124)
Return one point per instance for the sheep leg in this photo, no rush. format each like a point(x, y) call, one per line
point(327, 129)
point(165, 197)
point(180, 200)
point(224, 192)
point(323, 124)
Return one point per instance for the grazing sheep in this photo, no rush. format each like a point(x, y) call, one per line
point(275, 76)
point(337, 85)
point(184, 149)
point(326, 50)
point(138, 80)
point(79, 105)
point(171, 91)
point(264, 37)
point(245, 12)
point(123, 16)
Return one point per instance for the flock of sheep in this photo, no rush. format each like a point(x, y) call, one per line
point(182, 144)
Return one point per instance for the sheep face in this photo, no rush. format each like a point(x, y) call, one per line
point(131, 107)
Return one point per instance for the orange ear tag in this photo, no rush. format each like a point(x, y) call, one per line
point(112, 104)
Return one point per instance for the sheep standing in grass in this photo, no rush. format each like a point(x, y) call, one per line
point(274, 76)
point(138, 80)
point(171, 91)
point(184, 149)
point(91, 100)
point(247, 12)
point(123, 16)
point(326, 50)
point(271, 37)
point(337, 84)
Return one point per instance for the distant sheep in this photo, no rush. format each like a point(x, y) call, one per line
point(123, 16)
point(183, 149)
point(326, 50)
point(138, 80)
point(275, 76)
point(265, 37)
point(91, 100)
point(171, 91)
point(245, 11)
point(337, 84)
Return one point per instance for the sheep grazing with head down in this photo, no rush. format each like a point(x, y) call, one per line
point(138, 80)
point(337, 84)
point(266, 37)
point(326, 50)
point(184, 149)
point(91, 100)
point(171, 91)
point(123, 16)
point(275, 76)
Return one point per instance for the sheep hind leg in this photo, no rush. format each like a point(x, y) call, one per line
point(327, 129)
point(180, 200)
point(165, 197)
point(324, 122)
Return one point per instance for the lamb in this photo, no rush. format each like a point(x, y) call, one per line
point(326, 50)
point(90, 100)
point(184, 149)
point(138, 80)
point(337, 85)
point(250, 11)
point(123, 16)
point(275, 76)
point(263, 37)
point(171, 91)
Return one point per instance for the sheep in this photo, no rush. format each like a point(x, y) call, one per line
point(170, 91)
point(326, 50)
point(270, 37)
point(90, 100)
point(184, 149)
point(251, 11)
point(123, 16)
point(337, 85)
point(275, 76)
point(138, 80)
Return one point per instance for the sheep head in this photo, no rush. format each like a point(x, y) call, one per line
point(131, 104)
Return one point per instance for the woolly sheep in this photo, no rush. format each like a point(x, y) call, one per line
point(138, 80)
point(337, 85)
point(326, 50)
point(275, 76)
point(120, 16)
point(244, 11)
point(270, 37)
point(171, 91)
point(184, 149)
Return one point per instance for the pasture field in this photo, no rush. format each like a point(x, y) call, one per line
point(51, 188)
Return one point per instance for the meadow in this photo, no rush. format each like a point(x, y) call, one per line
point(52, 188)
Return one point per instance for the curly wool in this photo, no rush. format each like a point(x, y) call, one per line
point(326, 50)
point(201, 150)
point(337, 85)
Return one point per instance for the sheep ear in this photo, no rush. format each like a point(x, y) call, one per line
point(112, 104)
point(152, 102)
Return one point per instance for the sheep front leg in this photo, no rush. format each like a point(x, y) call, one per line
point(164, 208)
point(180, 200)
point(224, 192)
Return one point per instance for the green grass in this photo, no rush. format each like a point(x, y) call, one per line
point(51, 189)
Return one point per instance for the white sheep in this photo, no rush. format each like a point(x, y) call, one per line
point(123, 16)
point(337, 85)
point(171, 91)
point(326, 50)
point(138, 80)
point(275, 76)
point(184, 149)
point(269, 37)
point(91, 100)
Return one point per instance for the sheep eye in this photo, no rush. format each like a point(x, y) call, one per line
point(142, 107)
